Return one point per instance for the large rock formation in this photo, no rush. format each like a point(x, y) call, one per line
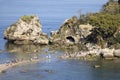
point(27, 30)
point(70, 32)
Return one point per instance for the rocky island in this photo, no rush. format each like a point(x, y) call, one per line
point(27, 30)
point(70, 32)
point(98, 32)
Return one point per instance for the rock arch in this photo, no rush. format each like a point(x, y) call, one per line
point(70, 39)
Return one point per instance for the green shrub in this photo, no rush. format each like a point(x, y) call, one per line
point(106, 23)
point(112, 6)
point(26, 18)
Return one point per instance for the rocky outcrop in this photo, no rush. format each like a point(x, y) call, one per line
point(27, 30)
point(70, 32)
point(85, 30)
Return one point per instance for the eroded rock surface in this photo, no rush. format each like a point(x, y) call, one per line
point(27, 30)
point(70, 32)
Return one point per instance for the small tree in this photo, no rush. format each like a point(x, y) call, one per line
point(111, 7)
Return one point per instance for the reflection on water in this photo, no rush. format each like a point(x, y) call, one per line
point(10, 47)
point(25, 52)
point(13, 51)
point(55, 68)
point(65, 70)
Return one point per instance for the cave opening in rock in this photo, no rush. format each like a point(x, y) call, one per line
point(70, 39)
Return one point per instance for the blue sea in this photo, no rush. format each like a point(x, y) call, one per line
point(52, 14)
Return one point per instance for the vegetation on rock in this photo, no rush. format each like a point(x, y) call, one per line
point(106, 24)
point(105, 30)
point(112, 7)
point(27, 30)
point(26, 18)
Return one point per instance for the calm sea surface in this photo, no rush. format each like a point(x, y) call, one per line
point(52, 13)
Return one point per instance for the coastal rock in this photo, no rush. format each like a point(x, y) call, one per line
point(85, 30)
point(27, 30)
point(107, 53)
point(116, 53)
point(70, 32)
point(97, 66)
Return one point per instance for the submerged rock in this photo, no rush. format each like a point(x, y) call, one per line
point(27, 30)
point(97, 66)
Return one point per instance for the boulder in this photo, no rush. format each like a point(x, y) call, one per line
point(27, 30)
point(116, 53)
point(70, 32)
point(107, 53)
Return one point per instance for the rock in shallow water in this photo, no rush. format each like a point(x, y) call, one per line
point(27, 30)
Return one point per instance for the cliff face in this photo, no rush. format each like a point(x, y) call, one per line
point(27, 30)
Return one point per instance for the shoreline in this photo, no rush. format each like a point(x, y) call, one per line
point(107, 54)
